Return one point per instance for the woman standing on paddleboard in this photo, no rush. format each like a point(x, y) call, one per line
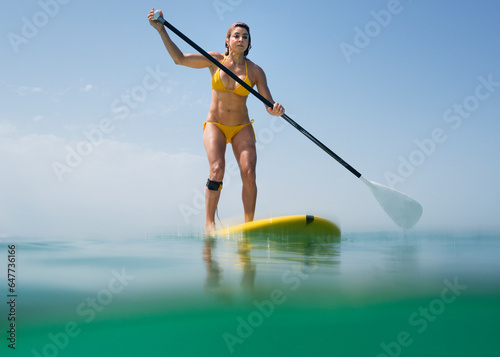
point(228, 120)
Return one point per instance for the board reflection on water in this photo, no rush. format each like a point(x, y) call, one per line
point(254, 264)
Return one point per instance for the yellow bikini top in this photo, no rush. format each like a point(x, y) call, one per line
point(239, 90)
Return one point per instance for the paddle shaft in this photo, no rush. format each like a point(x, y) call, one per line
point(260, 97)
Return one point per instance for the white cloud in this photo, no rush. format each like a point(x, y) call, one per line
point(6, 128)
point(24, 90)
point(87, 88)
point(120, 189)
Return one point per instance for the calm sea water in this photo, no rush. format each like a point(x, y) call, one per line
point(372, 294)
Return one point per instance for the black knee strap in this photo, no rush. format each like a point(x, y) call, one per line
point(214, 185)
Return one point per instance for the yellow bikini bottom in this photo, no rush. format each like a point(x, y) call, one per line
point(230, 131)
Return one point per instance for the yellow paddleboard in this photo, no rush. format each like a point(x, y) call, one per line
point(300, 226)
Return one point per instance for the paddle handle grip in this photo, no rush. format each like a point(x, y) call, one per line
point(255, 93)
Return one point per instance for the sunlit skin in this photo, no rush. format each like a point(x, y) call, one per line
point(230, 109)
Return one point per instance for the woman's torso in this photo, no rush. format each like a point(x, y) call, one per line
point(229, 108)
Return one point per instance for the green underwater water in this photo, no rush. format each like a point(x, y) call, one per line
point(371, 294)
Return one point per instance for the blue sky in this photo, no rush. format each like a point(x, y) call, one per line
point(100, 133)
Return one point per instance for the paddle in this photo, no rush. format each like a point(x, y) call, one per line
point(403, 210)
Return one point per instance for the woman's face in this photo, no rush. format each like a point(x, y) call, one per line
point(238, 41)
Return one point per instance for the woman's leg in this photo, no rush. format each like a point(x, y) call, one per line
point(215, 146)
point(246, 155)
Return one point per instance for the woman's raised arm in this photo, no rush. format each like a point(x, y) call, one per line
point(188, 60)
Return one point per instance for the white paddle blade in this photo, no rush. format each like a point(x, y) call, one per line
point(403, 210)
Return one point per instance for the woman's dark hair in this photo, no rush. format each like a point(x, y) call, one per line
point(230, 31)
